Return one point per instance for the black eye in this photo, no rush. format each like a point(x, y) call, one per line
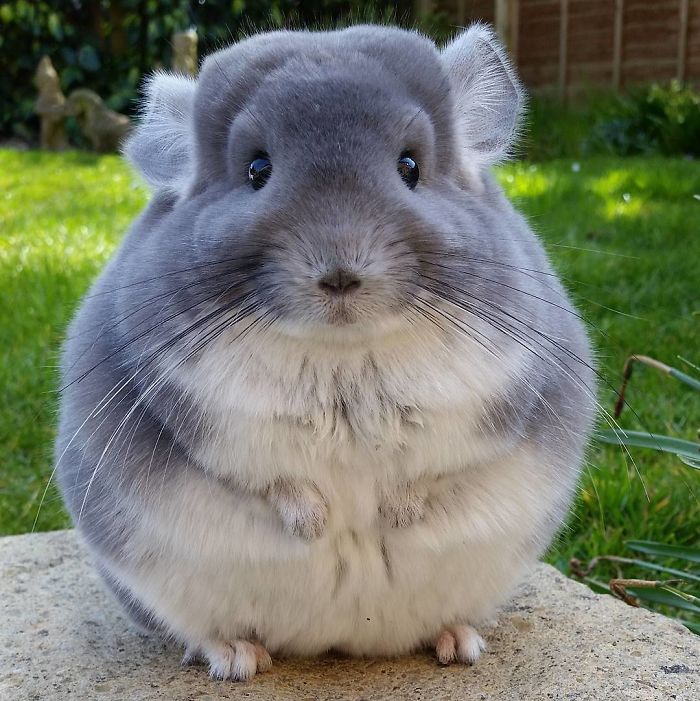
point(259, 170)
point(408, 170)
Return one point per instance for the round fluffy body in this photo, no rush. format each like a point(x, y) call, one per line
point(251, 458)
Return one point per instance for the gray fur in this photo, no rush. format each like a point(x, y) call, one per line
point(334, 111)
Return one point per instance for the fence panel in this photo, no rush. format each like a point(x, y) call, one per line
point(573, 44)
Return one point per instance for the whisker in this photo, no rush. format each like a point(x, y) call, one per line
point(472, 333)
point(171, 273)
point(145, 333)
point(513, 332)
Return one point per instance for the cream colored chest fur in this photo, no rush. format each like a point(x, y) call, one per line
point(358, 427)
point(390, 411)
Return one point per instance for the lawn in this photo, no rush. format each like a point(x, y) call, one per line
point(60, 218)
point(623, 232)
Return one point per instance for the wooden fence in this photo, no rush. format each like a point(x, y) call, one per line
point(567, 45)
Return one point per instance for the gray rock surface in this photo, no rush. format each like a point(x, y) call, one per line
point(62, 637)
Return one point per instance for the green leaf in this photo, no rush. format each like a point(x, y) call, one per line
point(644, 564)
point(687, 451)
point(650, 547)
point(685, 379)
point(88, 58)
point(72, 75)
point(54, 24)
point(663, 597)
point(692, 626)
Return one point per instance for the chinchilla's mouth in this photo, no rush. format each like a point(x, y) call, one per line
point(341, 314)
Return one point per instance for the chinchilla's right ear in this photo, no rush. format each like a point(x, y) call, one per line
point(161, 146)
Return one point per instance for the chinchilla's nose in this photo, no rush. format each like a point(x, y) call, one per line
point(339, 282)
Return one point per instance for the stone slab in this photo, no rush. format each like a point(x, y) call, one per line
point(63, 637)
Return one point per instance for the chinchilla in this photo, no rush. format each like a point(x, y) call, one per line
point(328, 393)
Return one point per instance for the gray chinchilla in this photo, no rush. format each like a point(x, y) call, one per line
point(328, 393)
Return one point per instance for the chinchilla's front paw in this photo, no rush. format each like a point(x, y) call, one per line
point(301, 506)
point(404, 506)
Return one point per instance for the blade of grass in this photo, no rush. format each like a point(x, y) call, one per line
point(663, 597)
point(650, 547)
point(688, 451)
point(597, 586)
point(653, 596)
point(692, 626)
point(687, 362)
point(658, 365)
point(644, 564)
point(685, 379)
point(652, 363)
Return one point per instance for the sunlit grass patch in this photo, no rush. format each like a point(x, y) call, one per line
point(61, 215)
point(631, 264)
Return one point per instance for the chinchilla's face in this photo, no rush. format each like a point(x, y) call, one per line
point(323, 180)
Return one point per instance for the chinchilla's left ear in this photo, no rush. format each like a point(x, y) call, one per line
point(488, 95)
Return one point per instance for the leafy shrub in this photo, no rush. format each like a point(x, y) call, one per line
point(660, 119)
point(101, 45)
point(553, 129)
point(108, 45)
point(657, 119)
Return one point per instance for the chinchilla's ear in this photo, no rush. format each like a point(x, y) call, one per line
point(488, 95)
point(161, 146)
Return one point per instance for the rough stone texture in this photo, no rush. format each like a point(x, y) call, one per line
point(50, 106)
point(104, 128)
point(62, 637)
point(185, 52)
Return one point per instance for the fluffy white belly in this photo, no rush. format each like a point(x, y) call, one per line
point(215, 565)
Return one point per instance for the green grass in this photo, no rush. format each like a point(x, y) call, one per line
point(60, 218)
point(623, 232)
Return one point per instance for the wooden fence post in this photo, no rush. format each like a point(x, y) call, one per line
point(682, 39)
point(500, 17)
point(461, 12)
point(563, 44)
point(506, 19)
point(514, 33)
point(617, 44)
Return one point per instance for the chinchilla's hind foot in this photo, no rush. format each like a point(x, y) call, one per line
point(459, 644)
point(237, 660)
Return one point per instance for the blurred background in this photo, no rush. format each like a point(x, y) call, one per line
point(588, 51)
point(606, 173)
